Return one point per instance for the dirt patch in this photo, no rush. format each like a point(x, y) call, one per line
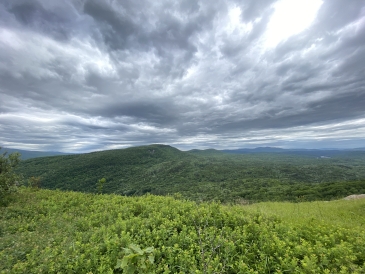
point(352, 197)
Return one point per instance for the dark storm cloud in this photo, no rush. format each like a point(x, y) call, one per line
point(55, 20)
point(87, 75)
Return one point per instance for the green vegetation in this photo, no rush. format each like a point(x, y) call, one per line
point(49, 231)
point(343, 213)
point(8, 179)
point(204, 175)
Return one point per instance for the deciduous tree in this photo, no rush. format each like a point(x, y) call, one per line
point(8, 179)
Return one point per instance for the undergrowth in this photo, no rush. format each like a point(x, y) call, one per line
point(67, 232)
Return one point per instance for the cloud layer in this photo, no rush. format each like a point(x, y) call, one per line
point(87, 75)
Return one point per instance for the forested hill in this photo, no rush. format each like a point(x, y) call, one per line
point(121, 168)
point(203, 175)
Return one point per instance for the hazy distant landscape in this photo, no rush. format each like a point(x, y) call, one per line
point(28, 154)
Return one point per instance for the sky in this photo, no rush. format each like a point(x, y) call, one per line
point(87, 75)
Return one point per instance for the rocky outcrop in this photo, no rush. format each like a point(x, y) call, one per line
point(352, 197)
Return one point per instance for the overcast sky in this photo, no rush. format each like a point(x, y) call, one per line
point(85, 75)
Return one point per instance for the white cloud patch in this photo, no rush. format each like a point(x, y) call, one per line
point(25, 52)
point(290, 18)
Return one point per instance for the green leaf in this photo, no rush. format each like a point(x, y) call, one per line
point(151, 258)
point(127, 251)
point(124, 262)
point(136, 248)
point(149, 249)
point(118, 265)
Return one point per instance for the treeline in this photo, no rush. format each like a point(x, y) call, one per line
point(203, 175)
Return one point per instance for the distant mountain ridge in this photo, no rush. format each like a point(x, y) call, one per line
point(297, 151)
point(29, 154)
point(204, 174)
point(254, 150)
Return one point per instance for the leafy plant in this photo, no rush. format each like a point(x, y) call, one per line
point(34, 182)
point(100, 185)
point(136, 260)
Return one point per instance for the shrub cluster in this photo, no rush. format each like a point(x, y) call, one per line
point(65, 232)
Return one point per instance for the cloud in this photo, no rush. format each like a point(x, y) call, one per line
point(89, 75)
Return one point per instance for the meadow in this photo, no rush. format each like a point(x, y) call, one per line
point(342, 213)
point(52, 231)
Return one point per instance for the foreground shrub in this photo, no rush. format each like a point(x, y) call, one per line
point(66, 232)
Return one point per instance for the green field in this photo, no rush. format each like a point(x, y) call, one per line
point(48, 231)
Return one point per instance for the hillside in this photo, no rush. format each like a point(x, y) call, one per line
point(204, 175)
point(68, 232)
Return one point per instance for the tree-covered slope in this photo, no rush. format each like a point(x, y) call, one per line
point(203, 175)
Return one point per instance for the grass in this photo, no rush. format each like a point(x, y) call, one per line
point(344, 213)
